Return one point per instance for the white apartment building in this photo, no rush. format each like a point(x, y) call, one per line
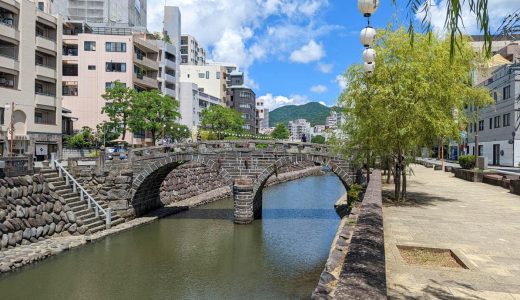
point(172, 26)
point(210, 78)
point(262, 116)
point(298, 128)
point(92, 62)
point(168, 69)
point(191, 52)
point(30, 78)
point(192, 102)
point(101, 13)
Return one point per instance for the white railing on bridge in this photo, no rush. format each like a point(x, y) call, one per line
point(83, 193)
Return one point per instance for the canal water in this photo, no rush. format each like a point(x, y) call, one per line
point(200, 253)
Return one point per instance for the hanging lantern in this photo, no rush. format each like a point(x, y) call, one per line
point(367, 36)
point(367, 7)
point(370, 67)
point(369, 55)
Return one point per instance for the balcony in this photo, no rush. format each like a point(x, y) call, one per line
point(169, 78)
point(46, 71)
point(9, 81)
point(170, 64)
point(9, 61)
point(46, 19)
point(12, 4)
point(46, 43)
point(9, 31)
point(46, 99)
point(145, 81)
point(169, 92)
point(146, 62)
point(150, 47)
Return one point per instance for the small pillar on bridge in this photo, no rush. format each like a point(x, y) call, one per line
point(247, 207)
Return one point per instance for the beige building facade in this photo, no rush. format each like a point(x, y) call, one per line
point(191, 52)
point(30, 80)
point(93, 62)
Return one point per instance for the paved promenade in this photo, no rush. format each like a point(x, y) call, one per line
point(480, 223)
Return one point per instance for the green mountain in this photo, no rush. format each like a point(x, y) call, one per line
point(313, 112)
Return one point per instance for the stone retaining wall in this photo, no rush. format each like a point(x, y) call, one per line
point(355, 268)
point(31, 210)
point(469, 175)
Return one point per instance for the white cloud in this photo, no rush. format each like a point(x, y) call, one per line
point(341, 81)
point(497, 9)
point(322, 103)
point(235, 30)
point(272, 102)
point(308, 53)
point(318, 89)
point(325, 68)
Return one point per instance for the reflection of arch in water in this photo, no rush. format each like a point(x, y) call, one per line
point(20, 122)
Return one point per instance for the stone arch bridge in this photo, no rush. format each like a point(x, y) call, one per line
point(244, 165)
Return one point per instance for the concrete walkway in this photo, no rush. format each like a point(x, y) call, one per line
point(480, 223)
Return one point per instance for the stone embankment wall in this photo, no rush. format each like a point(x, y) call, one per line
point(112, 186)
point(189, 180)
point(31, 210)
point(355, 268)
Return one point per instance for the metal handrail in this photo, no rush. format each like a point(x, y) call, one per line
point(83, 193)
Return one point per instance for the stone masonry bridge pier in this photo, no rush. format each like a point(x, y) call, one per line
point(244, 165)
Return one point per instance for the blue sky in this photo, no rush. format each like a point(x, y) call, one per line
point(292, 50)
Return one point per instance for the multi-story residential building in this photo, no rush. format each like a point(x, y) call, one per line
point(262, 116)
point(211, 78)
point(193, 101)
point(101, 13)
point(242, 99)
point(172, 26)
point(93, 60)
point(30, 80)
point(496, 131)
point(168, 69)
point(298, 128)
point(191, 52)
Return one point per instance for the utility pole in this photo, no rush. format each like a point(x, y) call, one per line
point(11, 130)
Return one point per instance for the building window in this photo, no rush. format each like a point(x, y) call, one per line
point(91, 67)
point(2, 111)
point(506, 120)
point(202, 75)
point(245, 116)
point(207, 74)
point(497, 122)
point(481, 125)
point(506, 92)
point(111, 84)
point(41, 6)
point(245, 105)
point(115, 47)
point(490, 123)
point(115, 67)
point(89, 46)
point(218, 75)
point(495, 97)
point(43, 116)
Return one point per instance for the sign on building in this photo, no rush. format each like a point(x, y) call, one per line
point(42, 149)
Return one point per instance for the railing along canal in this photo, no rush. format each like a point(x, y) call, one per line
point(83, 193)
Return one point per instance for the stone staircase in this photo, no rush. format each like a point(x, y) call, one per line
point(79, 207)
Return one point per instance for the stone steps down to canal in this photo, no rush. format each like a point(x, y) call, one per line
point(80, 208)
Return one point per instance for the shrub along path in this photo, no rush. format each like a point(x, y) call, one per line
point(479, 223)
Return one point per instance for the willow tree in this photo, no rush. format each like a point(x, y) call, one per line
point(416, 95)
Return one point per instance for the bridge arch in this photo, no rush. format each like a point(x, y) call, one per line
point(147, 183)
point(248, 199)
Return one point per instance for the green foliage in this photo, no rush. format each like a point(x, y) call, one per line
point(93, 154)
point(280, 132)
point(318, 139)
point(118, 107)
point(81, 140)
point(152, 111)
point(218, 119)
point(262, 146)
point(455, 9)
point(353, 192)
point(179, 131)
point(415, 96)
point(108, 131)
point(313, 112)
point(467, 161)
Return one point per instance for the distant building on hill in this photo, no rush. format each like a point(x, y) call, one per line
point(298, 128)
